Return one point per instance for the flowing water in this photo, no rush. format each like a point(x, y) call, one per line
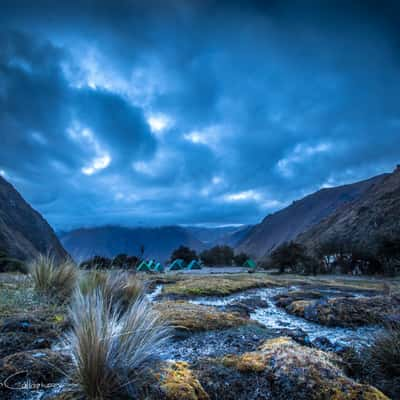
point(277, 318)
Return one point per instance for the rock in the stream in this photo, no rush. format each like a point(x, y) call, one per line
point(283, 300)
point(298, 335)
point(246, 306)
point(345, 311)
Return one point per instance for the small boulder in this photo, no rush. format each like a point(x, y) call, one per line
point(346, 311)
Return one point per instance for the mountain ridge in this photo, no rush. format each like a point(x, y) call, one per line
point(375, 214)
point(286, 224)
point(24, 233)
point(159, 242)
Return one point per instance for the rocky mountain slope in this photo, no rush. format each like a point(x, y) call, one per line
point(301, 215)
point(374, 214)
point(24, 233)
point(109, 241)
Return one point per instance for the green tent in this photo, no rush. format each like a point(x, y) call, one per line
point(250, 264)
point(158, 268)
point(177, 265)
point(144, 266)
point(194, 264)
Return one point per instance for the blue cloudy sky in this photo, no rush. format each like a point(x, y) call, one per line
point(193, 112)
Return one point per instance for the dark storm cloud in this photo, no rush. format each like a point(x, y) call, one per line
point(196, 111)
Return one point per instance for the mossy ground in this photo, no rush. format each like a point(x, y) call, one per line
point(217, 285)
point(226, 284)
point(179, 383)
point(17, 298)
point(195, 317)
point(300, 372)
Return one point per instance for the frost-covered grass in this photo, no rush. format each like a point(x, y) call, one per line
point(115, 287)
point(110, 345)
point(54, 280)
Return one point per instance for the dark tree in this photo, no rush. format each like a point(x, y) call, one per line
point(334, 253)
point(141, 250)
point(120, 260)
point(184, 253)
point(97, 262)
point(132, 262)
point(218, 255)
point(240, 259)
point(388, 253)
point(291, 256)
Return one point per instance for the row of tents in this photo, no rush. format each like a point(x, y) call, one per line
point(180, 265)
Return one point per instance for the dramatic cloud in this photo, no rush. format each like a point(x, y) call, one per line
point(207, 112)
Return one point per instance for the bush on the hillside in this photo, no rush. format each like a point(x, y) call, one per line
point(97, 262)
point(240, 258)
point(184, 253)
point(218, 255)
point(110, 347)
point(54, 280)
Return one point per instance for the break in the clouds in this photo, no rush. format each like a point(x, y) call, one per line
point(194, 112)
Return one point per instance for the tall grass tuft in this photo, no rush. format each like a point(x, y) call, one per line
point(109, 346)
point(56, 281)
point(379, 362)
point(115, 287)
point(383, 361)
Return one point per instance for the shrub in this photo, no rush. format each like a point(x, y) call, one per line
point(92, 280)
point(125, 261)
point(183, 253)
point(97, 262)
point(384, 361)
point(115, 287)
point(379, 363)
point(9, 264)
point(109, 346)
point(52, 280)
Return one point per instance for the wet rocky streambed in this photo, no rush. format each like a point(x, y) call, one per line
point(272, 320)
point(228, 339)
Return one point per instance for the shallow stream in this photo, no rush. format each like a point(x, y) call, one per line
point(274, 317)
